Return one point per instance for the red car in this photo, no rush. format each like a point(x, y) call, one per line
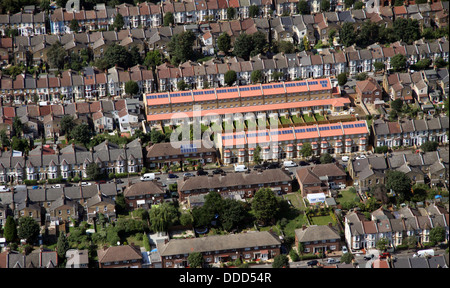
point(384, 255)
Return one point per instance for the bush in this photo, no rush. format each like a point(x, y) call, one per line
point(30, 182)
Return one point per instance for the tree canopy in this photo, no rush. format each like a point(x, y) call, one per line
point(265, 205)
point(180, 47)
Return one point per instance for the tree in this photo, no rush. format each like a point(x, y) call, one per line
point(181, 85)
point(382, 244)
point(280, 261)
point(264, 205)
point(243, 46)
point(342, 79)
point(131, 88)
point(422, 64)
point(74, 25)
point(153, 59)
point(379, 191)
point(224, 42)
point(306, 44)
point(286, 47)
point(28, 229)
point(17, 126)
point(66, 125)
point(326, 158)
point(379, 66)
point(347, 34)
point(325, 5)
point(303, 7)
point(260, 43)
point(399, 183)
point(231, 12)
point(397, 104)
point(368, 33)
point(162, 217)
point(407, 30)
point(168, 19)
point(230, 77)
point(56, 55)
point(117, 55)
point(437, 234)
point(62, 245)
point(358, 5)
point(10, 229)
point(440, 63)
point(256, 76)
point(233, 213)
point(253, 11)
point(429, 146)
point(118, 22)
point(45, 5)
point(257, 155)
point(93, 171)
point(81, 133)
point(20, 144)
point(156, 136)
point(4, 139)
point(398, 62)
point(306, 150)
point(195, 260)
point(347, 258)
point(180, 47)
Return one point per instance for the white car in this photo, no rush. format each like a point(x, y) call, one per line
point(86, 184)
point(4, 189)
point(362, 157)
point(57, 186)
point(345, 158)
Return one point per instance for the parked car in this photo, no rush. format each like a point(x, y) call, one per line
point(312, 263)
point(35, 187)
point(258, 167)
point(384, 255)
point(368, 257)
point(188, 174)
point(57, 186)
point(303, 163)
point(86, 184)
point(217, 171)
point(332, 261)
point(202, 172)
point(119, 181)
point(345, 158)
point(100, 182)
point(172, 176)
point(344, 250)
point(4, 189)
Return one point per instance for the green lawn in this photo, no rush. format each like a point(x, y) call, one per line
point(285, 120)
point(167, 129)
point(309, 118)
point(346, 196)
point(296, 119)
point(319, 117)
point(296, 201)
point(321, 220)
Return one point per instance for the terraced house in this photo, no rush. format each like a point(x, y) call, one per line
point(396, 227)
point(50, 163)
point(221, 248)
point(407, 132)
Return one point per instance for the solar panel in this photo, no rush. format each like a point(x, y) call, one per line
point(189, 148)
point(335, 127)
point(300, 130)
point(267, 86)
point(254, 88)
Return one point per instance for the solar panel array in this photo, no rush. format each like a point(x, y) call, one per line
point(188, 148)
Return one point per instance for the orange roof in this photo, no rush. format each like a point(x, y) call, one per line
point(279, 135)
point(271, 89)
point(251, 109)
point(204, 95)
point(358, 127)
point(181, 97)
point(306, 132)
point(319, 84)
point(258, 136)
point(250, 90)
point(328, 130)
point(158, 99)
point(233, 139)
point(296, 87)
point(227, 92)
